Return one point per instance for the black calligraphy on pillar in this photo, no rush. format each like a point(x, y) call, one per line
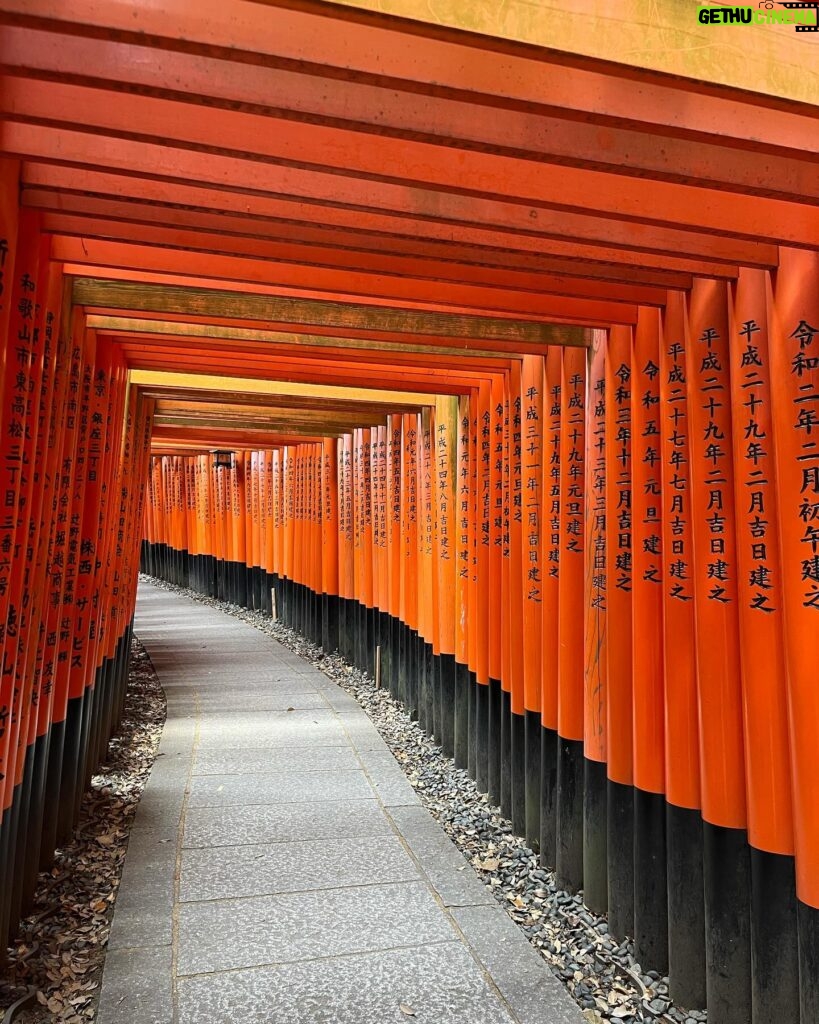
point(573, 510)
point(532, 443)
point(553, 556)
point(442, 456)
point(427, 483)
point(463, 498)
point(806, 423)
point(755, 467)
point(649, 454)
point(622, 481)
point(678, 500)
point(715, 459)
point(597, 498)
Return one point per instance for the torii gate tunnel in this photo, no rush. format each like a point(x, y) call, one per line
point(468, 349)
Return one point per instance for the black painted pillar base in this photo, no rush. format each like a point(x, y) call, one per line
point(52, 795)
point(398, 668)
point(533, 775)
point(403, 662)
point(426, 694)
point(10, 826)
point(445, 719)
point(461, 725)
point(95, 740)
point(411, 700)
point(548, 797)
point(686, 907)
point(472, 701)
point(727, 887)
point(410, 680)
point(371, 641)
point(107, 695)
point(429, 690)
point(329, 624)
point(569, 866)
point(506, 754)
point(595, 856)
point(774, 939)
point(5, 832)
point(494, 745)
point(808, 926)
point(385, 639)
point(417, 656)
point(482, 736)
point(650, 882)
point(83, 774)
point(34, 825)
point(430, 674)
point(621, 859)
point(21, 838)
point(343, 628)
point(389, 663)
point(518, 752)
point(360, 644)
point(68, 773)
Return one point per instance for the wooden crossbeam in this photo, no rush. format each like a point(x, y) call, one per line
point(304, 313)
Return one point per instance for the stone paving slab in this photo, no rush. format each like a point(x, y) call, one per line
point(280, 788)
point(138, 986)
point(222, 872)
point(225, 934)
point(272, 729)
point(284, 823)
point(439, 983)
point(263, 761)
point(516, 968)
point(281, 867)
point(288, 701)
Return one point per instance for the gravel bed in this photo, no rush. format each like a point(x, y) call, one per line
point(601, 974)
point(60, 948)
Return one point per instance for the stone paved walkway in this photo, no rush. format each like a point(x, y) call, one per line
point(281, 868)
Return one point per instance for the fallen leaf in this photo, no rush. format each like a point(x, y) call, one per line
point(488, 864)
point(406, 1010)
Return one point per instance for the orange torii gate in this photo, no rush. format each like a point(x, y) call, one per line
point(491, 366)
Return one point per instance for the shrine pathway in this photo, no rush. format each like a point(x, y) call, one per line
point(281, 868)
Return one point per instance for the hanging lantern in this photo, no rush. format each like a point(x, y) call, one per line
point(222, 459)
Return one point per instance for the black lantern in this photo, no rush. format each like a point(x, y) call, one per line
point(222, 459)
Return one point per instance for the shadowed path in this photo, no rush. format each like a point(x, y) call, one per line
point(281, 868)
